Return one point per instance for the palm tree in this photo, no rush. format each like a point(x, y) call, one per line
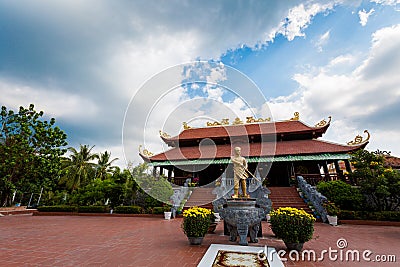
point(78, 167)
point(104, 165)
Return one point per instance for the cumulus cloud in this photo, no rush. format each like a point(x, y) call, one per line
point(387, 2)
point(368, 97)
point(55, 103)
point(364, 15)
point(299, 17)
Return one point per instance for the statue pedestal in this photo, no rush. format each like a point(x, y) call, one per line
point(242, 218)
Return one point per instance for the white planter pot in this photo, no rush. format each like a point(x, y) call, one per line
point(167, 215)
point(332, 220)
point(217, 217)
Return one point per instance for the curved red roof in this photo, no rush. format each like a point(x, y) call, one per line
point(229, 131)
point(295, 147)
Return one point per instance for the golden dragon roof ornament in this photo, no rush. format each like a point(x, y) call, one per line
point(359, 139)
point(323, 122)
point(145, 152)
point(217, 123)
point(296, 116)
point(253, 120)
point(186, 126)
point(163, 134)
point(237, 121)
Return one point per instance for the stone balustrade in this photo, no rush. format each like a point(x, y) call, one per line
point(316, 198)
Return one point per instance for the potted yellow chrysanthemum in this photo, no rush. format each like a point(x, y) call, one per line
point(293, 226)
point(195, 224)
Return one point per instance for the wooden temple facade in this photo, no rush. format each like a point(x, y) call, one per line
point(276, 151)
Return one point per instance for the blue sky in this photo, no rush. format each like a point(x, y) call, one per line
point(83, 61)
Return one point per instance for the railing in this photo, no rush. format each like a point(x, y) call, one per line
point(314, 179)
point(316, 198)
point(179, 180)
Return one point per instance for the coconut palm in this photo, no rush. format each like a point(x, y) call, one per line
point(78, 167)
point(104, 165)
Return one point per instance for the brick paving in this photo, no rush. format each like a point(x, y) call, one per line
point(152, 241)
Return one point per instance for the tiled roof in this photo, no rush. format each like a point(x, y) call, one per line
point(280, 127)
point(295, 147)
point(391, 161)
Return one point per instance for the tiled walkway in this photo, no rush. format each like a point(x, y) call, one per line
point(140, 241)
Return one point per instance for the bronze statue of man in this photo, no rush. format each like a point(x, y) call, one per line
point(239, 173)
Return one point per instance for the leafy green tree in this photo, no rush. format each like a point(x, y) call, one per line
point(98, 192)
point(381, 185)
point(79, 167)
point(342, 194)
point(30, 151)
point(157, 189)
point(104, 168)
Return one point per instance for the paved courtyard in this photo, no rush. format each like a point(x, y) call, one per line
point(152, 241)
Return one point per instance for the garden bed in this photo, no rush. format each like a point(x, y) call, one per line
point(60, 213)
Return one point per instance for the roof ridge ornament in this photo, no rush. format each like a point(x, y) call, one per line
point(163, 134)
point(296, 116)
point(217, 123)
point(237, 121)
point(253, 120)
point(146, 153)
point(323, 122)
point(186, 126)
point(359, 139)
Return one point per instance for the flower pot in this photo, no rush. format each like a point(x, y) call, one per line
point(167, 215)
point(332, 220)
point(294, 246)
point(195, 240)
point(217, 217)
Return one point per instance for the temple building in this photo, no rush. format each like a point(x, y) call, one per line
point(276, 151)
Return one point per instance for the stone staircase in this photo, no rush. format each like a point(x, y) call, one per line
point(287, 197)
point(200, 197)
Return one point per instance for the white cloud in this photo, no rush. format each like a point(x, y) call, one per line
point(342, 60)
point(364, 15)
point(366, 98)
point(299, 17)
point(322, 41)
point(53, 102)
point(387, 2)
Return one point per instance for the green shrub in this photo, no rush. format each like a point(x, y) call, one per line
point(391, 216)
point(379, 183)
point(93, 209)
point(128, 209)
point(347, 215)
point(60, 208)
point(158, 210)
point(342, 194)
point(374, 216)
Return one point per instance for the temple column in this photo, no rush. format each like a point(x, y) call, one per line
point(154, 171)
point(338, 171)
point(348, 169)
point(169, 174)
point(326, 171)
